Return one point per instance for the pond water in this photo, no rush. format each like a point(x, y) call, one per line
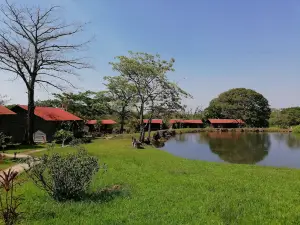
point(268, 149)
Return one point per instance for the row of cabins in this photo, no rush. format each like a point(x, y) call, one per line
point(213, 123)
point(48, 120)
point(157, 124)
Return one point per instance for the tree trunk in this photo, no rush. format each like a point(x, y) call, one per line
point(142, 129)
point(149, 127)
point(122, 126)
point(30, 116)
point(63, 143)
point(122, 120)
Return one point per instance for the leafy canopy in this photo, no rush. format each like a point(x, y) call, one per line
point(285, 117)
point(148, 75)
point(86, 105)
point(241, 103)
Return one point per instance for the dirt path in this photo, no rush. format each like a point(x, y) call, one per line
point(22, 155)
point(21, 166)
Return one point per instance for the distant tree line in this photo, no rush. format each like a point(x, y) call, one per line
point(286, 117)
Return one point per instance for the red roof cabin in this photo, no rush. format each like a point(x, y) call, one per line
point(7, 121)
point(180, 123)
point(156, 124)
point(105, 125)
point(47, 121)
point(192, 123)
point(226, 123)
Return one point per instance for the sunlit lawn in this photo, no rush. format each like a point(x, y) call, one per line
point(164, 189)
point(6, 163)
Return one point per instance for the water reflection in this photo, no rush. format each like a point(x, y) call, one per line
point(268, 149)
point(291, 140)
point(238, 147)
point(181, 138)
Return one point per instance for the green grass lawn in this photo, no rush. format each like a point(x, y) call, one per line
point(164, 189)
point(6, 163)
point(23, 148)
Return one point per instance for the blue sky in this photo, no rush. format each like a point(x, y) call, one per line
point(217, 44)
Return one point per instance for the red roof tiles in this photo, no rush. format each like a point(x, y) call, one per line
point(91, 122)
point(5, 111)
point(220, 121)
point(104, 122)
point(52, 114)
point(154, 121)
point(108, 122)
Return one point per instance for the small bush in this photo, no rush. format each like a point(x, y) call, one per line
point(296, 129)
point(4, 140)
point(96, 134)
point(64, 177)
point(86, 139)
point(62, 136)
point(9, 201)
point(76, 142)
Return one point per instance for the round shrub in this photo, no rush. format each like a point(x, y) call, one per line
point(64, 177)
point(296, 129)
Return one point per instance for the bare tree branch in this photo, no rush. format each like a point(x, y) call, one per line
point(39, 48)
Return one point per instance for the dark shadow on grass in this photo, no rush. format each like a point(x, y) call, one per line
point(107, 194)
point(178, 172)
point(45, 215)
point(22, 147)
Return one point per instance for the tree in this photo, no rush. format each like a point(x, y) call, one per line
point(63, 135)
point(285, 117)
point(165, 100)
point(241, 103)
point(86, 105)
point(122, 97)
point(3, 99)
point(37, 47)
point(277, 118)
point(147, 73)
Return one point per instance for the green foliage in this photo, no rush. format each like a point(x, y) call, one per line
point(63, 135)
point(241, 103)
point(296, 129)
point(132, 125)
point(64, 177)
point(86, 105)
point(3, 140)
point(123, 97)
point(285, 117)
point(147, 74)
point(9, 200)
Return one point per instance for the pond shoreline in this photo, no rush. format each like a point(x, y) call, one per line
point(257, 130)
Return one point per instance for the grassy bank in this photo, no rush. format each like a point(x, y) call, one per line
point(6, 163)
point(163, 189)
